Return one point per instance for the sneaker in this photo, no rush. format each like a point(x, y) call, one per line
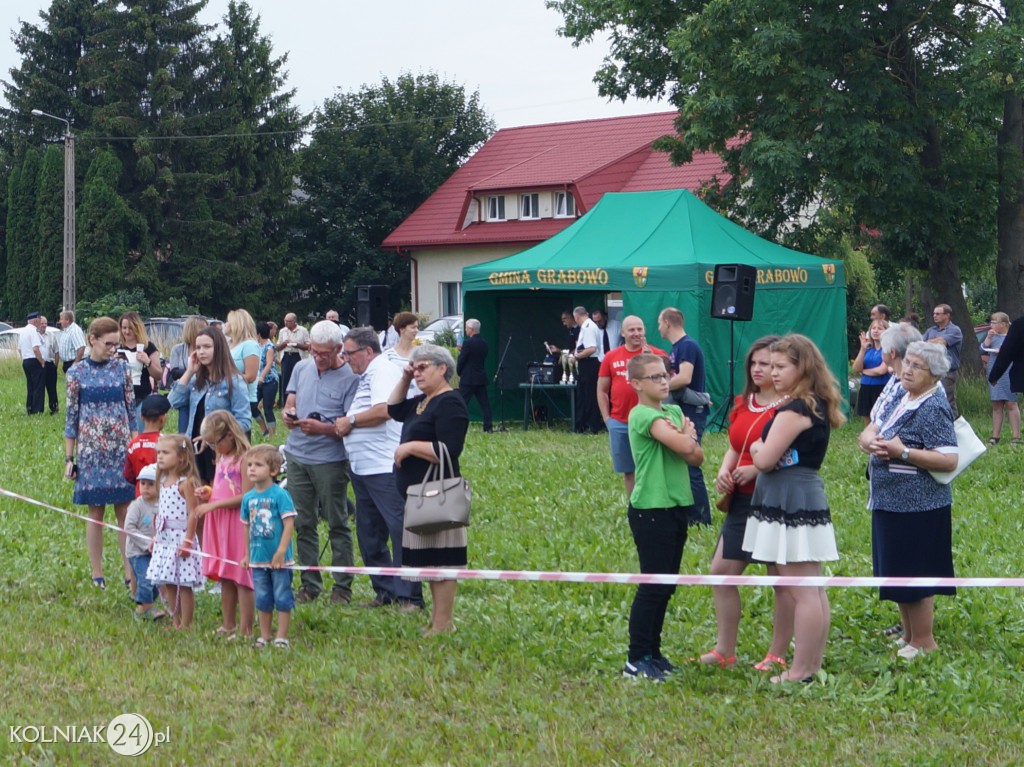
point(663, 665)
point(643, 669)
point(305, 597)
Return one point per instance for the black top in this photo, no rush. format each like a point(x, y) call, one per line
point(812, 443)
point(444, 420)
point(470, 365)
point(1011, 353)
point(145, 388)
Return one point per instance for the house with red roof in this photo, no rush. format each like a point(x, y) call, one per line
point(525, 185)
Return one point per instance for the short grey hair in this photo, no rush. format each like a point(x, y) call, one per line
point(365, 337)
point(67, 314)
point(579, 311)
point(934, 357)
point(326, 332)
point(897, 338)
point(473, 324)
point(437, 355)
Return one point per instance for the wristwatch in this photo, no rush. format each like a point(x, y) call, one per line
point(352, 421)
point(905, 455)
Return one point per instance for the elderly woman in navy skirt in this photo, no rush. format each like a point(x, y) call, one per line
point(911, 522)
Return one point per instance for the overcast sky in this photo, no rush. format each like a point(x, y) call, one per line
point(509, 51)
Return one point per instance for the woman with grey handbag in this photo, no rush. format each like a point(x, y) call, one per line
point(435, 417)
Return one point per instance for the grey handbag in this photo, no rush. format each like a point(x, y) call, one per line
point(441, 501)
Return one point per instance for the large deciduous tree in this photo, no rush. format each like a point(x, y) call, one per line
point(870, 109)
point(375, 155)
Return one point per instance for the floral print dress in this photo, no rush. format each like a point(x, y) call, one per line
point(100, 411)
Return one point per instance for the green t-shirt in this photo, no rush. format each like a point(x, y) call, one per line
point(662, 478)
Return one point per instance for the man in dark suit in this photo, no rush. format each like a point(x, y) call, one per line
point(1011, 353)
point(470, 367)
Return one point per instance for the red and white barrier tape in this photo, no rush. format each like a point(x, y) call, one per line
point(584, 577)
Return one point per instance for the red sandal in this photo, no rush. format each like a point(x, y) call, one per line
point(770, 662)
point(717, 659)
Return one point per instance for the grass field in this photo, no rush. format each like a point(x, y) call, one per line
point(532, 676)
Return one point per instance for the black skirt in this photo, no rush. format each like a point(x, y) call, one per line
point(734, 526)
point(912, 544)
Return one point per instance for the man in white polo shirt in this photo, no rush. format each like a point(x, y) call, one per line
point(371, 438)
point(33, 362)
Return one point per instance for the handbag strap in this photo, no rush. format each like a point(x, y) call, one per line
point(436, 471)
point(443, 460)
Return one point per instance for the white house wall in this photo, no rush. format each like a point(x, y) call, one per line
point(438, 265)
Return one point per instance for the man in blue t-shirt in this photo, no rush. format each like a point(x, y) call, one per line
point(688, 389)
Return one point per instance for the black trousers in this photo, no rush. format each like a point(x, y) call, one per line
point(480, 392)
point(34, 385)
point(50, 384)
point(588, 415)
point(288, 361)
point(659, 535)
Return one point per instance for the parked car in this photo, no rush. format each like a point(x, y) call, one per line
point(165, 332)
point(451, 322)
point(5, 326)
point(9, 341)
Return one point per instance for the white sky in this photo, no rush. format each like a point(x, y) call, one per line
point(526, 74)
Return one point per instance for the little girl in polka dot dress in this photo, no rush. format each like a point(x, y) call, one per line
point(175, 566)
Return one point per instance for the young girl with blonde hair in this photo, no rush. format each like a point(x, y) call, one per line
point(224, 537)
point(175, 564)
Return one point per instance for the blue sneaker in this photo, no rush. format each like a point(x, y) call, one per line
point(663, 665)
point(643, 669)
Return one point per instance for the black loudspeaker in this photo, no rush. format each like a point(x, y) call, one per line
point(732, 293)
point(372, 306)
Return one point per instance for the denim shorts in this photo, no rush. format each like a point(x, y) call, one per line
point(145, 592)
point(618, 439)
point(273, 589)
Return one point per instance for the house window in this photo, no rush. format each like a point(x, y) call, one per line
point(529, 206)
point(495, 208)
point(565, 205)
point(451, 298)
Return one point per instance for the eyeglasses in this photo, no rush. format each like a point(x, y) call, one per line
point(915, 366)
point(346, 353)
point(328, 353)
point(656, 378)
point(421, 367)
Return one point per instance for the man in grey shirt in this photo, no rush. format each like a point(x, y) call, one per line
point(946, 334)
point(319, 391)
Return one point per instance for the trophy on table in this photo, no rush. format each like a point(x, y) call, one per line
point(565, 366)
point(573, 369)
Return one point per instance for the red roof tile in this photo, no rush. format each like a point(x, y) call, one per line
point(590, 156)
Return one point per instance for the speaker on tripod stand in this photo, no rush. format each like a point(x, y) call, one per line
point(732, 299)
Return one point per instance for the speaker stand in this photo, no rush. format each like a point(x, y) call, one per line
point(720, 420)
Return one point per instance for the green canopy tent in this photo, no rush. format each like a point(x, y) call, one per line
point(658, 249)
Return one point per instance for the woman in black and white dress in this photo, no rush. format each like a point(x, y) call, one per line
point(436, 416)
point(790, 524)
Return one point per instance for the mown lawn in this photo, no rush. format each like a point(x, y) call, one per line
point(532, 676)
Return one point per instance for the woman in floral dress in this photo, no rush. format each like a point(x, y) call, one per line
point(100, 410)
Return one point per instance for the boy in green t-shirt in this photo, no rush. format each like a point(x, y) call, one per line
point(664, 443)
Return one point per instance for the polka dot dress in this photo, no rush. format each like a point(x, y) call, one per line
point(166, 567)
